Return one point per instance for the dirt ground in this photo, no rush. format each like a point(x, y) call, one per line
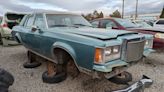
point(29, 80)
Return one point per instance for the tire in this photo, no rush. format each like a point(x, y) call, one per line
point(119, 80)
point(59, 77)
point(31, 64)
point(3, 87)
point(6, 77)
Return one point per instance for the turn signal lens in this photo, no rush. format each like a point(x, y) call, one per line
point(98, 56)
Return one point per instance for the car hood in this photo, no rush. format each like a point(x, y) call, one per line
point(97, 33)
point(155, 29)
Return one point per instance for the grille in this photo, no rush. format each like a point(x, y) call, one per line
point(134, 50)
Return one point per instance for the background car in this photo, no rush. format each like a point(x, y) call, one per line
point(8, 21)
point(125, 24)
point(159, 23)
point(141, 23)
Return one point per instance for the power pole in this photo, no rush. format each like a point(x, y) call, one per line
point(123, 8)
point(136, 14)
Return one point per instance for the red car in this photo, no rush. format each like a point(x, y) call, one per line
point(124, 24)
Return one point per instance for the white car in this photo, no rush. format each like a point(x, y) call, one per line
point(159, 23)
point(6, 24)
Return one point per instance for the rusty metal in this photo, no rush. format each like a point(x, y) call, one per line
point(139, 86)
point(51, 69)
point(72, 69)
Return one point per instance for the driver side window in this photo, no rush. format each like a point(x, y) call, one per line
point(108, 24)
point(39, 21)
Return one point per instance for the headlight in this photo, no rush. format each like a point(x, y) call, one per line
point(107, 54)
point(159, 35)
point(149, 43)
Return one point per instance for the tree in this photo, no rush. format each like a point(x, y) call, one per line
point(101, 15)
point(116, 14)
point(162, 13)
point(95, 14)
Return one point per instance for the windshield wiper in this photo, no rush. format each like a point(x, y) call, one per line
point(59, 26)
point(82, 25)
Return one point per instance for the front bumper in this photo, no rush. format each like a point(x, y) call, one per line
point(147, 52)
point(139, 86)
point(107, 67)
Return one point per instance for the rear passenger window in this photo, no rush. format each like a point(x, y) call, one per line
point(29, 21)
point(160, 22)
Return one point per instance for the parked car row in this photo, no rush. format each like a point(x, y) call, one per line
point(124, 24)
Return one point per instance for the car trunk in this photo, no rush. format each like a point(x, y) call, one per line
point(13, 19)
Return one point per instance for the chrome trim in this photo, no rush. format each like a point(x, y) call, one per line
point(139, 86)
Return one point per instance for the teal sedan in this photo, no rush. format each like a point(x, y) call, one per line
point(71, 45)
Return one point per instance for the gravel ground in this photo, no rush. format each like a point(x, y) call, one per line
point(29, 80)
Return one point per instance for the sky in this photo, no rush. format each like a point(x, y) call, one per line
point(81, 6)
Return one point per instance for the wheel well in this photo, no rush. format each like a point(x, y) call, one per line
point(63, 53)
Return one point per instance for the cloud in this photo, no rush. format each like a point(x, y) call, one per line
point(82, 6)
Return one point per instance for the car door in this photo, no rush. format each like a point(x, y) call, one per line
point(42, 35)
point(29, 37)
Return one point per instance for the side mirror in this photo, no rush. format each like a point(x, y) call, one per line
point(35, 28)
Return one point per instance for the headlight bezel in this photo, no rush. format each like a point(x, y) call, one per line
point(148, 43)
point(112, 55)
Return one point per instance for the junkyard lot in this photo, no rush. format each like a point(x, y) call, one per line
point(29, 80)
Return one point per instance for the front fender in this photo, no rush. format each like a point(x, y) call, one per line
point(69, 49)
point(17, 37)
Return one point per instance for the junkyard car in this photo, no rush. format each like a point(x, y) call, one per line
point(71, 44)
point(124, 24)
point(159, 23)
point(8, 21)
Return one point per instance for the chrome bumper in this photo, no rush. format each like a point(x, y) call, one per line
point(139, 86)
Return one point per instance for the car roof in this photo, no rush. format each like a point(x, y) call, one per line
point(23, 13)
point(112, 18)
point(54, 12)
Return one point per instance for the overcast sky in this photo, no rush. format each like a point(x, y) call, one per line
point(81, 6)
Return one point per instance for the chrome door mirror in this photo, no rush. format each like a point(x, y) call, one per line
point(34, 28)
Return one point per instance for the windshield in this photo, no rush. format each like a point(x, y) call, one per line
point(126, 23)
point(142, 24)
point(66, 20)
